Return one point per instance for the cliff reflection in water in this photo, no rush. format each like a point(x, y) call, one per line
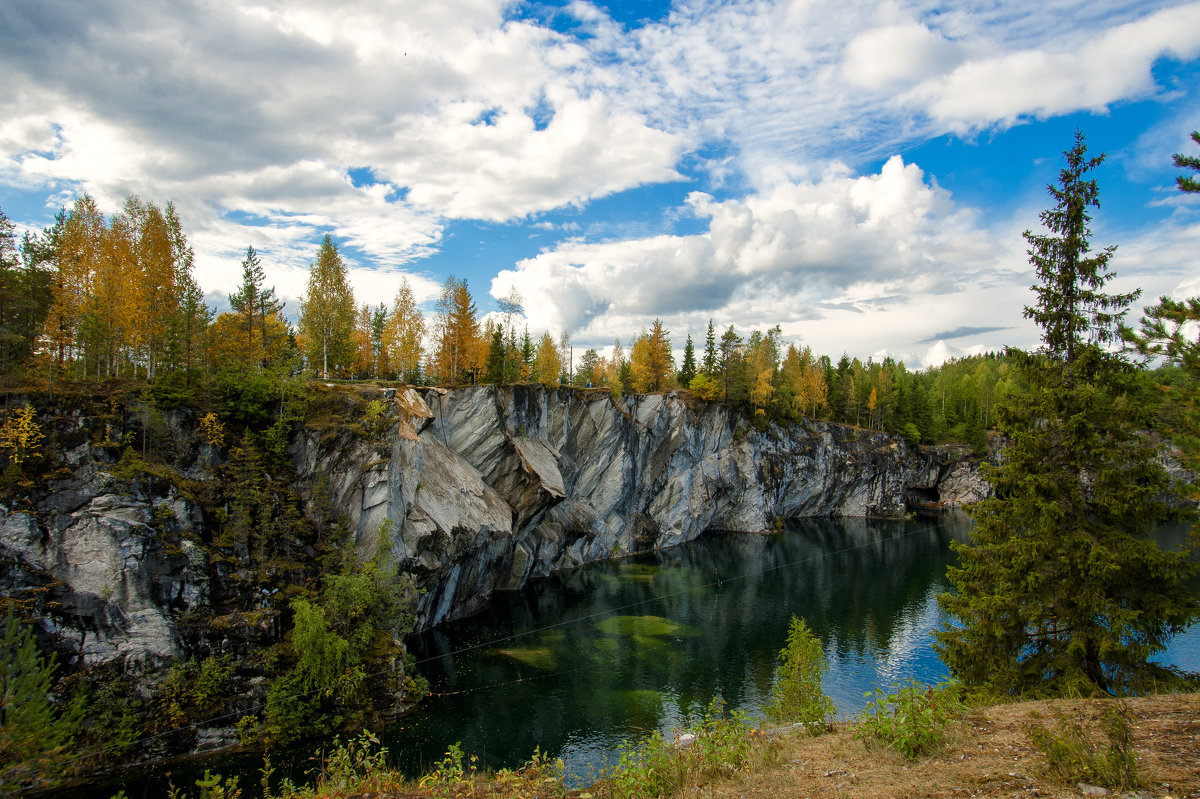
point(609, 651)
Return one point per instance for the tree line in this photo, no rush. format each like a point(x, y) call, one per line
point(96, 297)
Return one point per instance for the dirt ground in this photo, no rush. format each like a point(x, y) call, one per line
point(989, 755)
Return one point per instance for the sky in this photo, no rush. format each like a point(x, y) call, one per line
point(858, 173)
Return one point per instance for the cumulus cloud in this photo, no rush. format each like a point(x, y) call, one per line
point(798, 252)
point(1061, 77)
point(262, 108)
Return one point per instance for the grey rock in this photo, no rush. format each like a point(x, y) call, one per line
point(487, 487)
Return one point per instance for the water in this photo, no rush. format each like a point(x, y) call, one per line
point(613, 650)
point(579, 662)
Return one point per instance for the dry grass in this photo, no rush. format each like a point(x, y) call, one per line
point(989, 755)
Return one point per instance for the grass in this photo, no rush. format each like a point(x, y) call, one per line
point(990, 753)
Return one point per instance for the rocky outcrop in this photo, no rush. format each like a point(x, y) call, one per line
point(487, 487)
point(477, 490)
point(92, 550)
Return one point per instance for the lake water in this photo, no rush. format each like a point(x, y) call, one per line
point(610, 651)
point(579, 662)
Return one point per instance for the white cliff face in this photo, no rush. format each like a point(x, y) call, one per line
point(502, 484)
point(94, 551)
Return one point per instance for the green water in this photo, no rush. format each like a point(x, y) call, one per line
point(576, 663)
point(613, 650)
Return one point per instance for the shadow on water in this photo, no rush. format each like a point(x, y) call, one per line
point(609, 651)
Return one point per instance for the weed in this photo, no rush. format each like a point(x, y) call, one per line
point(1074, 753)
point(914, 720)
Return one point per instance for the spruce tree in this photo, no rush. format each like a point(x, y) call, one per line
point(709, 366)
point(688, 370)
point(34, 731)
point(1188, 183)
point(1063, 587)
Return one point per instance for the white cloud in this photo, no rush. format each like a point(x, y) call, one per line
point(1060, 77)
point(802, 254)
point(904, 53)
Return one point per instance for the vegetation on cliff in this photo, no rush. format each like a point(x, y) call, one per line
point(297, 634)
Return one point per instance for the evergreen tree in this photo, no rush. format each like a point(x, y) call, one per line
point(495, 359)
point(245, 303)
point(1187, 182)
point(688, 370)
point(709, 366)
point(34, 732)
point(1062, 587)
point(12, 343)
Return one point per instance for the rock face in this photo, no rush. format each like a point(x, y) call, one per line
point(489, 486)
point(479, 489)
point(117, 588)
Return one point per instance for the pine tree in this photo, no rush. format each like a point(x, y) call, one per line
point(34, 732)
point(245, 303)
point(709, 367)
point(1062, 587)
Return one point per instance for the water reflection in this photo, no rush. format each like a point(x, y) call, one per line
point(580, 661)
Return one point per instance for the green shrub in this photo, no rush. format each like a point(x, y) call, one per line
point(718, 746)
point(35, 731)
point(1075, 754)
point(796, 696)
point(914, 720)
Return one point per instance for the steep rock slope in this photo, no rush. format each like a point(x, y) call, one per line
point(486, 487)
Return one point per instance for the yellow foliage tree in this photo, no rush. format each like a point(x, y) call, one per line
point(21, 436)
point(403, 332)
point(547, 364)
point(651, 360)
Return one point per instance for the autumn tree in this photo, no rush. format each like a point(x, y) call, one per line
point(327, 313)
point(77, 252)
point(651, 360)
point(1062, 587)
point(460, 350)
point(403, 333)
point(547, 364)
point(612, 376)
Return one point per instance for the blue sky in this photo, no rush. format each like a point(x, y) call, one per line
point(857, 172)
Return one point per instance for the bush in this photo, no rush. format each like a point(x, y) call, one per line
point(717, 747)
point(1074, 754)
point(796, 696)
point(913, 721)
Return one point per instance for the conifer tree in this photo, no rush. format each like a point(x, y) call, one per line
point(34, 732)
point(709, 366)
point(1188, 183)
point(1062, 587)
point(245, 303)
point(688, 370)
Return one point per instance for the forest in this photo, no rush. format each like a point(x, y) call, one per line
point(94, 298)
